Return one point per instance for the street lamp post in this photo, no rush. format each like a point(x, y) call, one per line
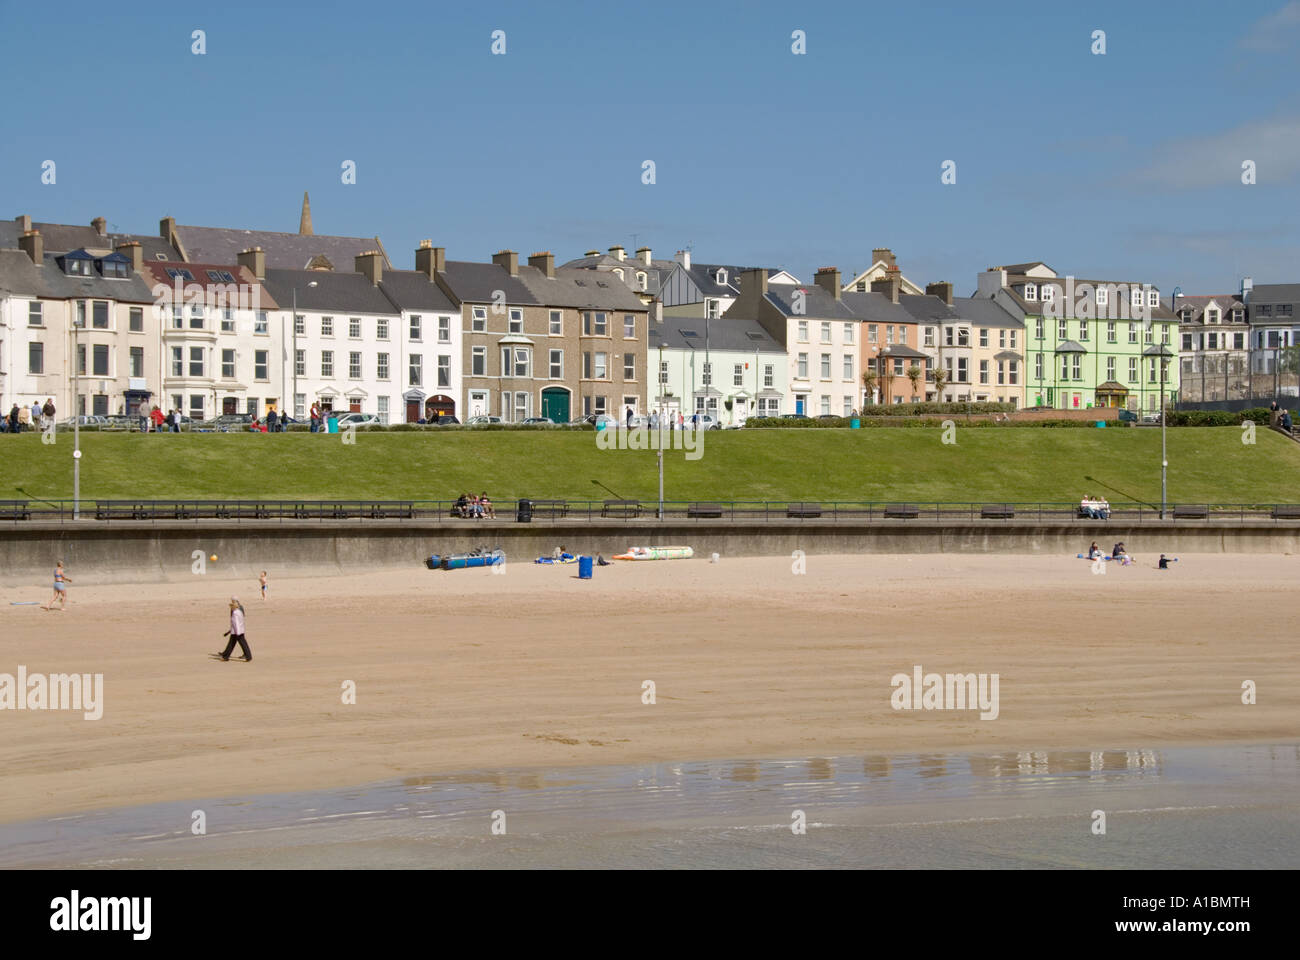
point(76, 419)
point(311, 283)
point(1164, 362)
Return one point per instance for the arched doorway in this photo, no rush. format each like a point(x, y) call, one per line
point(555, 404)
point(439, 406)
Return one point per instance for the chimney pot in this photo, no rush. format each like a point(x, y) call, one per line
point(643, 254)
point(684, 258)
point(942, 290)
point(544, 261)
point(508, 259)
point(371, 265)
point(617, 252)
point(33, 244)
point(828, 278)
point(254, 260)
point(430, 260)
point(24, 223)
point(99, 223)
point(133, 250)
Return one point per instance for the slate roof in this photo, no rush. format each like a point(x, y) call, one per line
point(474, 282)
point(284, 251)
point(1023, 268)
point(19, 276)
point(818, 304)
point(1275, 293)
point(1197, 304)
point(902, 350)
point(413, 290)
point(1070, 346)
point(334, 292)
point(725, 333)
point(873, 307)
point(1035, 307)
point(579, 289)
point(928, 309)
point(655, 270)
point(62, 237)
point(986, 312)
point(156, 273)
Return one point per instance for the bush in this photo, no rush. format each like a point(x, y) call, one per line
point(913, 409)
point(1217, 418)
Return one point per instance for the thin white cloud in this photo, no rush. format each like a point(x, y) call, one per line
point(1215, 159)
point(1277, 31)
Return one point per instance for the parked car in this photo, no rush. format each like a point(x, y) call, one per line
point(349, 420)
point(481, 420)
point(85, 420)
point(122, 421)
point(445, 420)
point(538, 422)
point(795, 416)
point(737, 424)
point(705, 422)
point(1151, 418)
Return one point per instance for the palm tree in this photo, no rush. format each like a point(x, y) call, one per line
point(914, 374)
point(869, 379)
point(940, 381)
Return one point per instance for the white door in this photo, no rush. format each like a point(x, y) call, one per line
point(478, 403)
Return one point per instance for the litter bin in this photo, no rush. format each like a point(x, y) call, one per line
point(855, 424)
point(525, 513)
point(333, 424)
point(584, 568)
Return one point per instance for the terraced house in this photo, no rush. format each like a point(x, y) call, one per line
point(1214, 348)
point(538, 340)
point(729, 368)
point(220, 351)
point(93, 305)
point(819, 332)
point(1089, 343)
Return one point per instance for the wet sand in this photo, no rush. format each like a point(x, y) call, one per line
point(465, 670)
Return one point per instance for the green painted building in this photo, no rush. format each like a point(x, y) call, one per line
point(1089, 343)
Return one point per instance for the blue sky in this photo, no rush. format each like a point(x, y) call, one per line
point(1125, 166)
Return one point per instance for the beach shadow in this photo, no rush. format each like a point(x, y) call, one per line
point(1122, 493)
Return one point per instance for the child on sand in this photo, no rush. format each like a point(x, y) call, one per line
point(60, 588)
point(262, 580)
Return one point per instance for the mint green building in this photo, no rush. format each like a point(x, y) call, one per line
point(1089, 343)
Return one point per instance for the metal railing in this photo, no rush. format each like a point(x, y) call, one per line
point(633, 511)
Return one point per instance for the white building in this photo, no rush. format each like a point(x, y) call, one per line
point(729, 368)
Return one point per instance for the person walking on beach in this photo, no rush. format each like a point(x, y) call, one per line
point(236, 632)
point(262, 580)
point(61, 582)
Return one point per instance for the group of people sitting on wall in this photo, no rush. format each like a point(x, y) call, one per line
point(1095, 508)
point(472, 507)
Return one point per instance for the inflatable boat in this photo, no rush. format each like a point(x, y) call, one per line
point(459, 561)
point(656, 553)
point(564, 558)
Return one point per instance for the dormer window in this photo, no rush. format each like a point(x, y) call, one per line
point(1048, 292)
point(1031, 291)
point(722, 276)
point(1153, 298)
point(641, 280)
point(78, 264)
point(620, 273)
point(175, 272)
point(114, 267)
point(1101, 296)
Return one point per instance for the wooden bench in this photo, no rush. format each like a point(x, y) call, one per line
point(998, 511)
point(623, 509)
point(1286, 511)
point(902, 511)
point(553, 509)
point(803, 511)
point(122, 510)
point(1191, 511)
point(704, 511)
point(15, 510)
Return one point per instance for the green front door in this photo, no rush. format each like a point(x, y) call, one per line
point(555, 404)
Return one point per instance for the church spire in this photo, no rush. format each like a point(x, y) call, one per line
point(304, 225)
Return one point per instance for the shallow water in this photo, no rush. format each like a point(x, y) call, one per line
point(1193, 807)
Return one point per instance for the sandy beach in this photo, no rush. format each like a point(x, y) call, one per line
point(464, 670)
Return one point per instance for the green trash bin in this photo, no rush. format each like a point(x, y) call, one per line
point(855, 424)
point(333, 424)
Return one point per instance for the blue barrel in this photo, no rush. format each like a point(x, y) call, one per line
point(584, 568)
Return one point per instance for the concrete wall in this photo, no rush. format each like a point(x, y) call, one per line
point(157, 552)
